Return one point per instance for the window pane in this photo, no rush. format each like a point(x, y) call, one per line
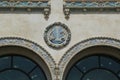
point(110, 64)
point(88, 63)
point(23, 63)
point(5, 62)
point(37, 74)
point(13, 75)
point(74, 74)
point(95, 68)
point(100, 74)
point(20, 68)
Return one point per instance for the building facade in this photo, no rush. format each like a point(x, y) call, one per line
point(59, 39)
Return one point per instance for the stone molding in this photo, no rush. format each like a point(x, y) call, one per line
point(104, 41)
point(15, 41)
point(29, 5)
point(90, 6)
point(57, 70)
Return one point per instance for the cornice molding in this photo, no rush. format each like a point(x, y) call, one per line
point(93, 5)
point(29, 5)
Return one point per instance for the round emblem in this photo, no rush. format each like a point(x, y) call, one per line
point(57, 35)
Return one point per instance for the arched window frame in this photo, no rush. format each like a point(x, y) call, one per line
point(29, 49)
point(106, 47)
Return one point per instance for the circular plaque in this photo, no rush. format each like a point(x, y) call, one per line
point(57, 35)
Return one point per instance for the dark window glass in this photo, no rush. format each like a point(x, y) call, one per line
point(110, 64)
point(76, 72)
point(100, 74)
point(5, 62)
point(95, 68)
point(36, 74)
point(23, 63)
point(89, 63)
point(13, 75)
point(20, 68)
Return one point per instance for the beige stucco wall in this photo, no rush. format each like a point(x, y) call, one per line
point(83, 26)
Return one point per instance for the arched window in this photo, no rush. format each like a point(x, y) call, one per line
point(22, 59)
point(92, 59)
point(95, 68)
point(20, 68)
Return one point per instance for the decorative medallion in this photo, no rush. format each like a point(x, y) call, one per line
point(57, 35)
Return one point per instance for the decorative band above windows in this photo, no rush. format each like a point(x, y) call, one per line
point(91, 5)
point(41, 5)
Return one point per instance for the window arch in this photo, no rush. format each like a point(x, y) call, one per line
point(22, 63)
point(94, 63)
point(14, 67)
point(104, 47)
point(27, 50)
point(97, 67)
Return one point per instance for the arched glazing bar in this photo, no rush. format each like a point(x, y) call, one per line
point(14, 67)
point(98, 67)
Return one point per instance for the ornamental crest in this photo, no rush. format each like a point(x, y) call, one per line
point(57, 35)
